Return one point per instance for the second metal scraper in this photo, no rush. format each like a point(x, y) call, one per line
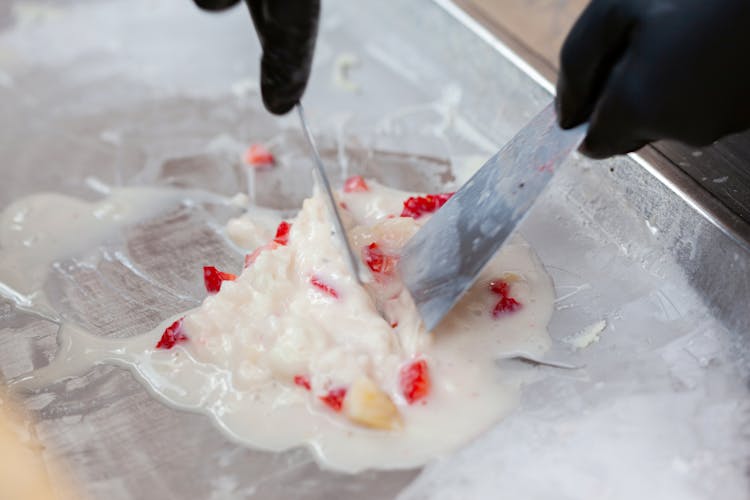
point(338, 225)
point(447, 254)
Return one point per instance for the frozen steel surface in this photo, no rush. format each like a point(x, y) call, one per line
point(155, 92)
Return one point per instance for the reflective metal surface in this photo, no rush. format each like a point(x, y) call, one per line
point(447, 254)
point(320, 169)
point(713, 180)
point(156, 92)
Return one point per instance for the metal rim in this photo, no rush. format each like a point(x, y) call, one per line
point(649, 158)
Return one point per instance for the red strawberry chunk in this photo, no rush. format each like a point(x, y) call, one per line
point(417, 206)
point(377, 260)
point(500, 287)
point(506, 304)
point(302, 381)
point(320, 285)
point(335, 398)
point(251, 257)
point(172, 335)
point(415, 381)
point(258, 156)
point(282, 233)
point(355, 184)
point(213, 278)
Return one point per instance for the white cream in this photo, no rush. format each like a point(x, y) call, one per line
point(248, 342)
point(587, 336)
point(38, 230)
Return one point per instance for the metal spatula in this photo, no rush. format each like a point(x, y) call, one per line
point(338, 226)
point(446, 255)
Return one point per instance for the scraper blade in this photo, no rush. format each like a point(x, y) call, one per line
point(338, 225)
point(443, 259)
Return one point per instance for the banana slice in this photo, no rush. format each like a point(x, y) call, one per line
point(367, 405)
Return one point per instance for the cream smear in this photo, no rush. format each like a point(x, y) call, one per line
point(294, 351)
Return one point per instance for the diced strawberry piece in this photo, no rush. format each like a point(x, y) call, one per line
point(335, 398)
point(251, 257)
point(172, 335)
point(258, 156)
point(213, 278)
point(417, 206)
point(282, 233)
point(394, 324)
point(355, 184)
point(377, 260)
point(317, 283)
point(415, 381)
point(500, 287)
point(505, 305)
point(302, 381)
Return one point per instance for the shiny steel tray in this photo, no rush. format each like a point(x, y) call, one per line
point(156, 92)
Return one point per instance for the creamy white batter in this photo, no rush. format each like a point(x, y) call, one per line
point(295, 318)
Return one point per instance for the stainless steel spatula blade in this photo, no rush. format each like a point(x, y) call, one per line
point(338, 226)
point(446, 255)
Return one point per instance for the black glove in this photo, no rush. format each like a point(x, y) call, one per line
point(644, 70)
point(287, 30)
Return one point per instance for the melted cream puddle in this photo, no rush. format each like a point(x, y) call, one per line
point(238, 372)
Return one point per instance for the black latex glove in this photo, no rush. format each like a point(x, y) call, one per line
point(287, 30)
point(643, 70)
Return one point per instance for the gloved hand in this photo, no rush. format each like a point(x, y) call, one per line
point(644, 70)
point(287, 30)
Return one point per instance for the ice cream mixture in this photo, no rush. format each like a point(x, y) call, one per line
point(293, 351)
